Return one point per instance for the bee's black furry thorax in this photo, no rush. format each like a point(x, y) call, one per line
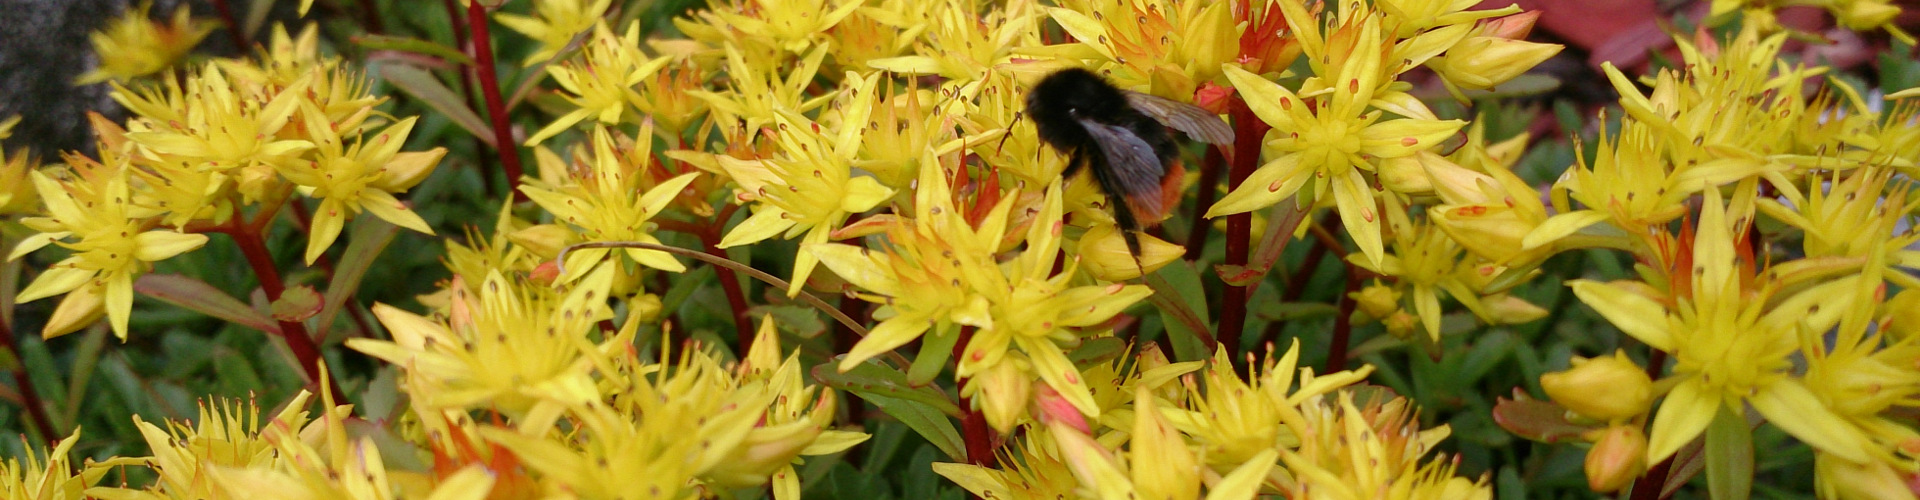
point(1058, 103)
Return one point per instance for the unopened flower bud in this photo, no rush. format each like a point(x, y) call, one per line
point(1004, 392)
point(1401, 324)
point(1510, 310)
point(1619, 456)
point(1404, 175)
point(1104, 254)
point(1482, 62)
point(1491, 231)
point(1376, 301)
point(1839, 479)
point(1604, 388)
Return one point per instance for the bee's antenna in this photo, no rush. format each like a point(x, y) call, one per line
point(1017, 115)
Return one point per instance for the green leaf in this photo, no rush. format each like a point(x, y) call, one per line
point(421, 84)
point(369, 237)
point(412, 45)
point(1182, 302)
point(1098, 350)
point(1282, 220)
point(1542, 421)
point(923, 419)
point(1488, 351)
point(871, 379)
point(196, 295)
point(1729, 457)
point(296, 304)
point(793, 319)
point(936, 347)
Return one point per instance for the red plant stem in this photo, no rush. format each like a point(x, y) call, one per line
point(490, 88)
point(1203, 201)
point(466, 88)
point(247, 236)
point(973, 427)
point(729, 282)
point(1248, 134)
point(29, 397)
point(234, 30)
point(736, 298)
point(372, 12)
point(1343, 325)
point(1652, 486)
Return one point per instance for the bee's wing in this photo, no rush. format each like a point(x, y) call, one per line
point(1132, 170)
point(1195, 122)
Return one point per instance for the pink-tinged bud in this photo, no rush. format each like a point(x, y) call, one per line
point(1514, 27)
point(1609, 388)
point(1619, 456)
point(1050, 407)
point(545, 273)
point(1839, 479)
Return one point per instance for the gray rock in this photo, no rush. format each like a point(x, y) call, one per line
point(43, 48)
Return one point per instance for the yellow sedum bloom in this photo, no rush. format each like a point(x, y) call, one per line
point(47, 474)
point(1731, 344)
point(363, 177)
point(1330, 143)
point(515, 347)
point(809, 188)
point(611, 202)
point(555, 24)
point(604, 82)
point(134, 46)
point(111, 250)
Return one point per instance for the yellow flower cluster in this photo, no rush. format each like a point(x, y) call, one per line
point(201, 148)
point(1310, 437)
point(1735, 132)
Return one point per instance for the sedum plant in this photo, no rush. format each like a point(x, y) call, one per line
point(856, 190)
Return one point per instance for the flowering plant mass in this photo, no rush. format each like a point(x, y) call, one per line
point(820, 249)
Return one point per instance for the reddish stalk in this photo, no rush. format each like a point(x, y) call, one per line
point(1248, 132)
point(239, 37)
point(1203, 201)
point(247, 236)
point(730, 284)
point(29, 397)
point(1343, 325)
point(466, 88)
point(973, 427)
point(490, 89)
point(372, 21)
point(1653, 485)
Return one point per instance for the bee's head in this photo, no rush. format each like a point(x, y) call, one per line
point(1074, 93)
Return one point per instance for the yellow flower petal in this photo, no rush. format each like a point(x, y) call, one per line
point(159, 245)
point(1683, 415)
point(1637, 315)
point(1789, 405)
point(1273, 182)
point(59, 279)
point(385, 206)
